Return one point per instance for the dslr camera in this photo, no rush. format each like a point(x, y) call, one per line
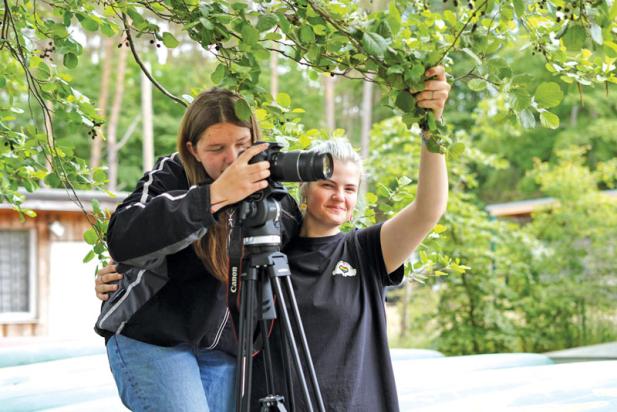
point(295, 166)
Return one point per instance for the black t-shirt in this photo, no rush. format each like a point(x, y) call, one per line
point(339, 285)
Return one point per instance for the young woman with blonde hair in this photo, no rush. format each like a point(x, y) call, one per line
point(339, 278)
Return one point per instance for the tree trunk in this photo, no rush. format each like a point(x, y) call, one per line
point(367, 118)
point(365, 132)
point(348, 107)
point(106, 61)
point(274, 75)
point(329, 102)
point(112, 127)
point(146, 114)
point(574, 115)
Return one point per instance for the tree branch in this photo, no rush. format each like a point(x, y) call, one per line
point(128, 133)
point(129, 38)
point(458, 35)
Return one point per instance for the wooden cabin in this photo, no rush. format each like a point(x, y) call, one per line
point(45, 288)
point(521, 210)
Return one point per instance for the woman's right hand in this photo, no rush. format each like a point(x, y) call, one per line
point(240, 179)
point(103, 281)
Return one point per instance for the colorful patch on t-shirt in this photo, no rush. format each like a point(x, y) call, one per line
point(344, 269)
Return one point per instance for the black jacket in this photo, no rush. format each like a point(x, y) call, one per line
point(167, 297)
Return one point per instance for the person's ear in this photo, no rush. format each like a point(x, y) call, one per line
point(193, 151)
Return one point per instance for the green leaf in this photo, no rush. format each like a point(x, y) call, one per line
point(610, 48)
point(283, 99)
point(250, 35)
point(108, 30)
point(520, 100)
point(307, 36)
point(526, 118)
point(409, 119)
point(96, 206)
point(313, 53)
point(90, 236)
point(99, 176)
point(59, 30)
point(519, 8)
point(218, 74)
point(414, 74)
point(374, 44)
point(549, 120)
point(371, 198)
point(596, 33)
point(574, 37)
point(320, 30)
point(471, 54)
point(476, 84)
point(404, 181)
point(52, 180)
point(43, 71)
point(99, 248)
point(88, 23)
point(405, 101)
point(384, 29)
point(242, 110)
point(548, 94)
point(70, 60)
point(266, 22)
point(457, 149)
point(29, 213)
point(613, 12)
point(170, 41)
point(394, 18)
point(89, 256)
point(138, 21)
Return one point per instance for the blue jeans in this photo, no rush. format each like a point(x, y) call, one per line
point(158, 378)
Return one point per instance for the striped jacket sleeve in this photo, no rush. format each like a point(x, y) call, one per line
point(163, 215)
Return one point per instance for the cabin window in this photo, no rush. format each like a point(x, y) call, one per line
point(17, 275)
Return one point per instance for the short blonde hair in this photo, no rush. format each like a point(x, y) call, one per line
point(341, 150)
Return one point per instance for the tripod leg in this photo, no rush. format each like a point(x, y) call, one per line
point(240, 372)
point(267, 355)
point(288, 375)
point(246, 327)
point(302, 335)
point(292, 341)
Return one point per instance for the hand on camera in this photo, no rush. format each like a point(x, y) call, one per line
point(435, 92)
point(103, 281)
point(240, 179)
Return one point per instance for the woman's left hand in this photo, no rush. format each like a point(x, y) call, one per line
point(436, 91)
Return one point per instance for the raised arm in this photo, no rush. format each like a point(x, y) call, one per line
point(401, 234)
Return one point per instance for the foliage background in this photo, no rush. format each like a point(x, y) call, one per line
point(532, 114)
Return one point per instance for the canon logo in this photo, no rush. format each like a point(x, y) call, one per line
point(234, 280)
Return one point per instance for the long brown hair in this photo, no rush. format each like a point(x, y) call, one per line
point(209, 108)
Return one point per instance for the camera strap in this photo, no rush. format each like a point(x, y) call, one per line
point(235, 250)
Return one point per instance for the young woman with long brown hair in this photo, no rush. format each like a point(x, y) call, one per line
point(169, 339)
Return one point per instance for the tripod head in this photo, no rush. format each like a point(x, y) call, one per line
point(259, 217)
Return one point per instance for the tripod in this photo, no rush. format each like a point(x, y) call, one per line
point(266, 270)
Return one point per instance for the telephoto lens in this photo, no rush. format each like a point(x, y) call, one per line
point(296, 166)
